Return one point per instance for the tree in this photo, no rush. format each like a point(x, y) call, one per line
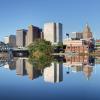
point(40, 45)
point(40, 53)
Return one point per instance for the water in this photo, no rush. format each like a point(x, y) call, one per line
point(77, 78)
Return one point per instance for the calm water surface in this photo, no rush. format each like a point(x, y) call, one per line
point(75, 79)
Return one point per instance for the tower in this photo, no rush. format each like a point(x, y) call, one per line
point(10, 40)
point(53, 32)
point(87, 34)
point(21, 38)
point(33, 34)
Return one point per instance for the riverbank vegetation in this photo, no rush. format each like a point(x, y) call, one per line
point(40, 53)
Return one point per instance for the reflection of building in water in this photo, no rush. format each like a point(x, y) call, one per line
point(97, 60)
point(23, 67)
point(87, 69)
point(11, 65)
point(79, 60)
point(80, 63)
point(32, 71)
point(54, 73)
point(75, 60)
point(76, 68)
point(20, 67)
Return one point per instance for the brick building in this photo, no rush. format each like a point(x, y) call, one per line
point(80, 46)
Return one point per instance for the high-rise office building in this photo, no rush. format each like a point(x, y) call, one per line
point(33, 34)
point(21, 38)
point(87, 34)
point(53, 32)
point(10, 40)
point(76, 35)
point(54, 73)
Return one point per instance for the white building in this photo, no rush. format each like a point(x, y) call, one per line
point(10, 40)
point(53, 32)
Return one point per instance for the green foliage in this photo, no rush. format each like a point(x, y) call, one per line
point(40, 53)
point(40, 45)
point(41, 62)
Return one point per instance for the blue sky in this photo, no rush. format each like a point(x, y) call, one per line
point(73, 14)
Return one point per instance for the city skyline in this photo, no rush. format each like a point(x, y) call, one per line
point(72, 14)
point(49, 49)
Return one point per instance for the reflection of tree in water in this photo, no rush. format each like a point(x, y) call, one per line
point(40, 53)
point(41, 61)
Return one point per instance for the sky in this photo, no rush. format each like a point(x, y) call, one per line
point(73, 14)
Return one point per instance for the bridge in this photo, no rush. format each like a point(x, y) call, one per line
point(4, 47)
point(22, 51)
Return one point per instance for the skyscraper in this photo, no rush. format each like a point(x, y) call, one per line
point(33, 34)
point(21, 37)
point(87, 34)
point(76, 35)
point(53, 32)
point(10, 40)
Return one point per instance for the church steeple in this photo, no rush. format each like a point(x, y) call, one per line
point(87, 32)
point(87, 28)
